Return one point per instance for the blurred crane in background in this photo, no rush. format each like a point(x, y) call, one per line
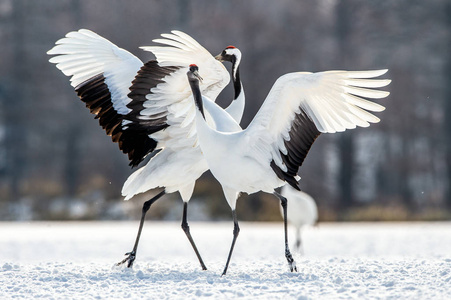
point(301, 212)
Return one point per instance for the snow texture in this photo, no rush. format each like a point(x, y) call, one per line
point(342, 261)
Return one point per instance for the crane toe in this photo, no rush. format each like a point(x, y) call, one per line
point(130, 259)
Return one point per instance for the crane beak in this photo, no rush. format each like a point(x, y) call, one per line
point(219, 57)
point(196, 73)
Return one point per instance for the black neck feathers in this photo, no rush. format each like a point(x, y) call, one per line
point(197, 95)
point(236, 81)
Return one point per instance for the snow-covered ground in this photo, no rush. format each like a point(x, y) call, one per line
point(342, 261)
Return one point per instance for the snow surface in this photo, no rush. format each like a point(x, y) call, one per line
point(342, 261)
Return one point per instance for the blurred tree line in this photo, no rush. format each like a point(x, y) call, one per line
point(56, 162)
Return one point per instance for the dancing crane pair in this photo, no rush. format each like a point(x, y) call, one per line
point(166, 108)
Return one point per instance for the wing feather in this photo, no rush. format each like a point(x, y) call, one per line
point(300, 106)
point(101, 74)
point(84, 55)
point(180, 49)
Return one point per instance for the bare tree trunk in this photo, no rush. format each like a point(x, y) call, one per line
point(14, 106)
point(184, 13)
point(346, 140)
point(73, 132)
point(405, 172)
point(346, 173)
point(72, 160)
point(447, 104)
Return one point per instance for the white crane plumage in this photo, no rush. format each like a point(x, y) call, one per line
point(146, 108)
point(271, 149)
point(301, 212)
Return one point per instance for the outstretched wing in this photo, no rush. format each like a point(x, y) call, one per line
point(300, 106)
point(181, 50)
point(85, 55)
point(101, 74)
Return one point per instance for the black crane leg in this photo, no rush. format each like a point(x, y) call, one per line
point(291, 262)
point(132, 254)
point(236, 231)
point(185, 228)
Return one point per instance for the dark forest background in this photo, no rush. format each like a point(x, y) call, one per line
point(57, 163)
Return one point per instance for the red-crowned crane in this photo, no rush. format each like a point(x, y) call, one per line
point(146, 109)
point(269, 152)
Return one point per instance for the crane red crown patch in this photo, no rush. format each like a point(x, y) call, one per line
point(192, 65)
point(230, 47)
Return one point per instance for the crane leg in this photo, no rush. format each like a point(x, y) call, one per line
point(132, 254)
point(185, 228)
point(236, 231)
point(291, 262)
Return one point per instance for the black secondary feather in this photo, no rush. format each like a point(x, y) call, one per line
point(132, 136)
point(303, 134)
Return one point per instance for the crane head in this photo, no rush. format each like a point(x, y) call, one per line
point(193, 73)
point(231, 54)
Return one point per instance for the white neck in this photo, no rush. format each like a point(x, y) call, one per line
point(236, 65)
